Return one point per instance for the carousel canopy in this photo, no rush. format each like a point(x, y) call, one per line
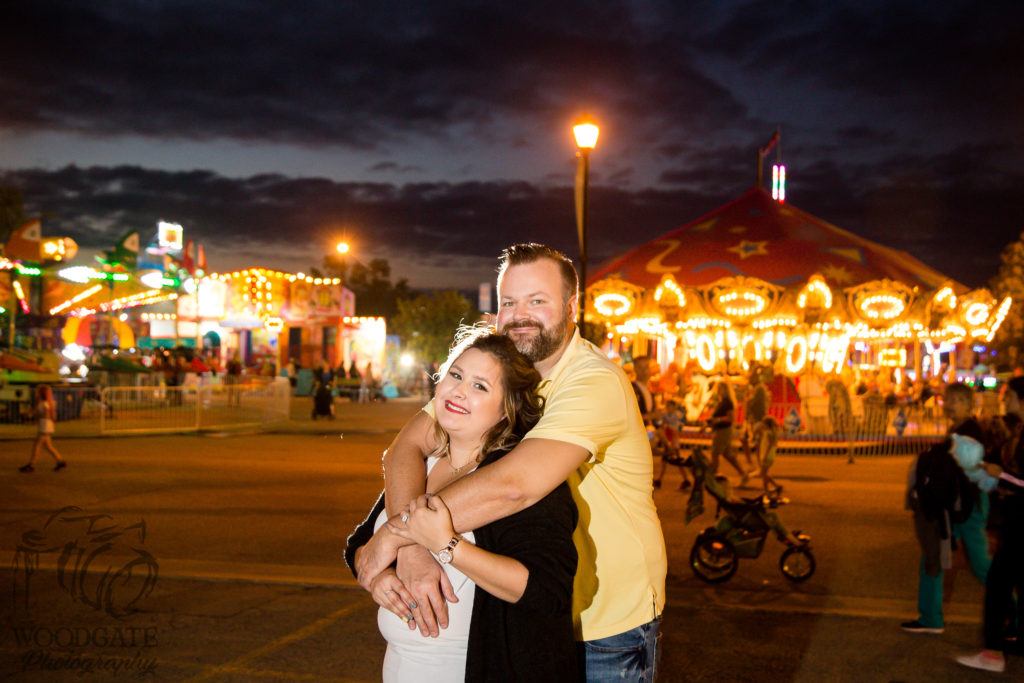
point(756, 236)
point(761, 280)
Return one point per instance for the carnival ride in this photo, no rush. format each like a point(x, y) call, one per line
point(760, 280)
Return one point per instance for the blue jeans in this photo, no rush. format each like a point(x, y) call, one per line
point(970, 533)
point(631, 656)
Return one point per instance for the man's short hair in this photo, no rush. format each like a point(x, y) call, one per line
point(960, 390)
point(1016, 385)
point(529, 252)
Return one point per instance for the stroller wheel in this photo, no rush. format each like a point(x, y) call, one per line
point(713, 559)
point(797, 563)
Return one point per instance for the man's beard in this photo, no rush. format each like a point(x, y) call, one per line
point(545, 343)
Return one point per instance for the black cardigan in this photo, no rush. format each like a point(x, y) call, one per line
point(531, 639)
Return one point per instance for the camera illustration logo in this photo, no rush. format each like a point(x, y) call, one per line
point(100, 564)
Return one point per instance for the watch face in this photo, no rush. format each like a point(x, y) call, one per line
point(445, 556)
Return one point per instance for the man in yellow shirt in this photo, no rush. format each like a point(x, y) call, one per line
point(592, 436)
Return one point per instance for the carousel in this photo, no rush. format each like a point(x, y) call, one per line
point(760, 280)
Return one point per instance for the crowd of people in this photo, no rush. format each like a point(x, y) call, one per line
point(661, 396)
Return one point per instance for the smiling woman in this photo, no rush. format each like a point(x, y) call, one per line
point(469, 398)
point(512, 619)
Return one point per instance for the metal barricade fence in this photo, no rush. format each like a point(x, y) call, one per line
point(868, 428)
point(193, 407)
point(71, 402)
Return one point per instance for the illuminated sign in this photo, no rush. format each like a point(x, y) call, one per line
point(893, 358)
point(169, 235)
point(798, 350)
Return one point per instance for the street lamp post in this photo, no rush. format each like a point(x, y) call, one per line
point(585, 132)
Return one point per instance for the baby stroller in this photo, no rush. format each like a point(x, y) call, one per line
point(323, 400)
point(740, 532)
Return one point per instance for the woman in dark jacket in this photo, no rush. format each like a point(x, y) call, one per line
point(513, 577)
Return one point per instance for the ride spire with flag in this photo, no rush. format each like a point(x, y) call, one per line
point(124, 255)
point(773, 143)
point(24, 242)
point(188, 262)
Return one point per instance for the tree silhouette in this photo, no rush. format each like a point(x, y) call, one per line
point(12, 212)
point(1009, 281)
point(427, 323)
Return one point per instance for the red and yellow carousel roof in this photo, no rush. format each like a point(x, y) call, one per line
point(755, 236)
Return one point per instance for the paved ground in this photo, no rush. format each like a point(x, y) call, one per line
point(245, 533)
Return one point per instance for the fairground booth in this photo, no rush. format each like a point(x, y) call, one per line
point(129, 302)
point(759, 280)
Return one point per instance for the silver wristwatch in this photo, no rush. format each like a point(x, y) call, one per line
point(444, 555)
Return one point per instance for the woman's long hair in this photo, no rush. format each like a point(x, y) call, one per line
point(519, 381)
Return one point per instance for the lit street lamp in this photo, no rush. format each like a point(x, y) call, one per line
point(586, 132)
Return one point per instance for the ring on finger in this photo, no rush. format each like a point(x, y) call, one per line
point(388, 592)
point(412, 605)
point(405, 517)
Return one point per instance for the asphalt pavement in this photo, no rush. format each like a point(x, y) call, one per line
point(218, 557)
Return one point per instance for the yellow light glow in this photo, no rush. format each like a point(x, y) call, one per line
point(998, 318)
point(75, 299)
point(585, 131)
point(21, 296)
point(796, 354)
point(652, 326)
point(741, 303)
point(976, 314)
point(893, 358)
point(946, 298)
point(835, 353)
point(816, 294)
point(669, 286)
point(140, 299)
point(882, 306)
point(706, 352)
point(343, 247)
point(612, 304)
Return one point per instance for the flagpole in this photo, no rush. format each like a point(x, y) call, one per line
point(12, 311)
point(196, 280)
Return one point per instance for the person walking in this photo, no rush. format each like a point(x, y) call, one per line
point(1006, 573)
point(755, 409)
point(46, 414)
point(948, 511)
point(366, 388)
point(720, 423)
point(232, 378)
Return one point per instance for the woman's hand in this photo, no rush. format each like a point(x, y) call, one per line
point(390, 593)
point(429, 523)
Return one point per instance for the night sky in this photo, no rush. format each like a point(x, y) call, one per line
point(435, 133)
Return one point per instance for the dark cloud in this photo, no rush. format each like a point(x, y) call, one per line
point(940, 62)
point(342, 73)
point(392, 167)
point(278, 221)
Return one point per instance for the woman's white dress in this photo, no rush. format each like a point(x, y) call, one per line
point(412, 658)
